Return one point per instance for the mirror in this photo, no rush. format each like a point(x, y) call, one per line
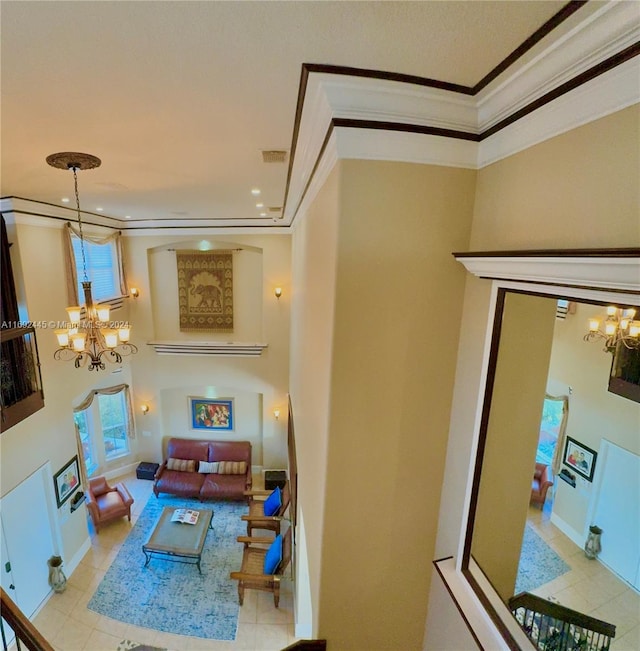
point(549, 418)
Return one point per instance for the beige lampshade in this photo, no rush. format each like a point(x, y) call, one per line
point(110, 337)
point(77, 341)
point(74, 313)
point(63, 338)
point(103, 312)
point(124, 333)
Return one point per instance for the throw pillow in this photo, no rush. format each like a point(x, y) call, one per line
point(273, 503)
point(208, 467)
point(232, 467)
point(273, 557)
point(183, 465)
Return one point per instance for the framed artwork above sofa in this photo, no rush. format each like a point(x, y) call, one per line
point(211, 413)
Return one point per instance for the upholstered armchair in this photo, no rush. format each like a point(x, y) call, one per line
point(263, 568)
point(106, 503)
point(257, 518)
point(540, 484)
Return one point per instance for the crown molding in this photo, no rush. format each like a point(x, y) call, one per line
point(525, 92)
point(619, 273)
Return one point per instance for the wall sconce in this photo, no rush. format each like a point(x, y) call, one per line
point(278, 292)
point(144, 409)
point(134, 292)
point(276, 413)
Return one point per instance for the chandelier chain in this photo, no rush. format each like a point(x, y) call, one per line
point(84, 260)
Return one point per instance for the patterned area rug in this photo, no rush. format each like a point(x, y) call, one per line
point(539, 564)
point(174, 597)
point(128, 645)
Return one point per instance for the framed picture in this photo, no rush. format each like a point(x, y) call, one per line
point(580, 458)
point(66, 480)
point(212, 414)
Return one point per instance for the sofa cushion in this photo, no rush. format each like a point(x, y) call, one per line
point(182, 465)
point(187, 484)
point(232, 467)
point(229, 451)
point(207, 466)
point(273, 503)
point(230, 487)
point(273, 557)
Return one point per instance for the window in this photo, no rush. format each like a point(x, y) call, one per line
point(102, 268)
point(103, 428)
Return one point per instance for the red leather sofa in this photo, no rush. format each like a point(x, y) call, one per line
point(188, 482)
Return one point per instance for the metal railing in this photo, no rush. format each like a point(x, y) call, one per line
point(553, 627)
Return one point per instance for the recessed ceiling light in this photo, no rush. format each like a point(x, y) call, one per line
point(255, 192)
point(263, 214)
point(65, 199)
point(99, 208)
point(127, 216)
point(259, 205)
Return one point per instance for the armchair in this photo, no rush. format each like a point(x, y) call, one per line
point(256, 519)
point(251, 574)
point(106, 503)
point(540, 484)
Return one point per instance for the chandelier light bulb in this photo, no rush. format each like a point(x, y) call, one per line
point(63, 338)
point(110, 338)
point(124, 333)
point(103, 312)
point(78, 342)
point(634, 329)
point(74, 314)
point(594, 325)
point(610, 328)
point(612, 310)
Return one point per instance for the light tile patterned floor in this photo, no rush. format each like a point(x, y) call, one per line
point(589, 587)
point(68, 625)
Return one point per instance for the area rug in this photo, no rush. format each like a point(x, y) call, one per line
point(174, 597)
point(539, 564)
point(128, 645)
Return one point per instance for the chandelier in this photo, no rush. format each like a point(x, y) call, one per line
point(92, 340)
point(618, 328)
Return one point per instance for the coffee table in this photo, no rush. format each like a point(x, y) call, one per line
point(176, 541)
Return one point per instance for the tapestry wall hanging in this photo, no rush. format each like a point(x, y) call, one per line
point(205, 290)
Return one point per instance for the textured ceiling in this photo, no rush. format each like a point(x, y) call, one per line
point(179, 98)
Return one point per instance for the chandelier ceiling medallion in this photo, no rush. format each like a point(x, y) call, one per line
point(618, 328)
point(91, 340)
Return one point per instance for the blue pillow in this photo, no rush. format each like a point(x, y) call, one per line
point(273, 503)
point(273, 557)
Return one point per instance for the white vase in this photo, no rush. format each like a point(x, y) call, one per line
point(57, 579)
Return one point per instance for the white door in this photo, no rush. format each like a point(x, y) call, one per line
point(617, 510)
point(28, 537)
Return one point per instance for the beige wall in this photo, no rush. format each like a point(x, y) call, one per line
point(259, 384)
point(512, 437)
point(312, 323)
point(398, 295)
point(579, 189)
point(594, 413)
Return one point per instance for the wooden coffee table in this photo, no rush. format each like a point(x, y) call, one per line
point(176, 541)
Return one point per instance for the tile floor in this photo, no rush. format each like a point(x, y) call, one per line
point(68, 625)
point(589, 587)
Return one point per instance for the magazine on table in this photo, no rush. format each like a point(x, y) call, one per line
point(186, 516)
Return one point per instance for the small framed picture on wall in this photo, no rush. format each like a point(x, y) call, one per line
point(66, 480)
point(580, 458)
point(211, 413)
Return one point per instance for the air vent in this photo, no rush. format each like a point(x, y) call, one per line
point(274, 155)
point(275, 208)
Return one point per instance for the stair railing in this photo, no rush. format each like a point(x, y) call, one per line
point(25, 632)
point(553, 627)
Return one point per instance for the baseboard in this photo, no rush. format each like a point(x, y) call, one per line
point(123, 470)
point(71, 565)
point(568, 531)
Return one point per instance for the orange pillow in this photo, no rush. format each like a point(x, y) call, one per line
point(183, 465)
point(232, 467)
